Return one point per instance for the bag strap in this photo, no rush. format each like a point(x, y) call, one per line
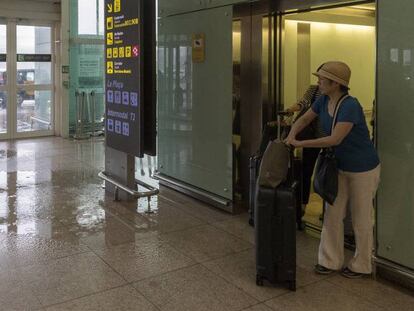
point(340, 101)
point(315, 91)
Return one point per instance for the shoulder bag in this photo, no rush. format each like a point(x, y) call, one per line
point(325, 181)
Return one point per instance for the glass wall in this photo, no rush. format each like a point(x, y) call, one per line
point(87, 59)
point(395, 114)
point(195, 100)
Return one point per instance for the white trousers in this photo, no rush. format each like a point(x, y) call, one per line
point(357, 189)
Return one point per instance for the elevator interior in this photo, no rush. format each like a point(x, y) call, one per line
point(291, 47)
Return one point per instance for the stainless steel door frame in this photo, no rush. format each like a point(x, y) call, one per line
point(285, 6)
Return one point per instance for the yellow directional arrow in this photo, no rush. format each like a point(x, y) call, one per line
point(109, 8)
point(117, 4)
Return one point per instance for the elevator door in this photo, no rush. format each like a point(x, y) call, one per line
point(311, 38)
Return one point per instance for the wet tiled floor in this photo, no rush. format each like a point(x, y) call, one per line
point(65, 245)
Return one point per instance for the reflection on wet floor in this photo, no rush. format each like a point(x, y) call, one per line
point(66, 245)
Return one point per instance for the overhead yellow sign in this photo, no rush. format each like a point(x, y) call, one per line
point(110, 67)
point(109, 53)
point(117, 6)
point(198, 48)
point(110, 38)
point(110, 23)
point(121, 51)
point(128, 51)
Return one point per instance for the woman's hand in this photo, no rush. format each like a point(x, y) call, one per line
point(293, 142)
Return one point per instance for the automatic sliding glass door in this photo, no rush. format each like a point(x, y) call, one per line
point(3, 81)
point(26, 81)
point(34, 79)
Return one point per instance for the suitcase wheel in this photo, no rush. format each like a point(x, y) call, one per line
point(292, 286)
point(259, 280)
point(251, 222)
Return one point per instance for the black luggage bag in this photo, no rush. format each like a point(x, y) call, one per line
point(275, 231)
point(297, 173)
point(254, 165)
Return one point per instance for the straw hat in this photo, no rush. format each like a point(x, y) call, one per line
point(335, 71)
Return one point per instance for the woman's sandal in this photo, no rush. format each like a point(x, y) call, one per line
point(319, 269)
point(348, 273)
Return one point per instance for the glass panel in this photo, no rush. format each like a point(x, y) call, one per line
point(195, 113)
point(34, 114)
point(3, 73)
point(91, 17)
point(395, 114)
point(31, 73)
point(3, 50)
point(3, 112)
point(87, 74)
point(3, 34)
point(33, 40)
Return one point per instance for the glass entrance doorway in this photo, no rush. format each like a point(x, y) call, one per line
point(26, 80)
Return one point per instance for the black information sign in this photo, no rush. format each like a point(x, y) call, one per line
point(34, 58)
point(3, 57)
point(124, 75)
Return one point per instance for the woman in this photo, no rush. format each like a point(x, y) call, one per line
point(359, 171)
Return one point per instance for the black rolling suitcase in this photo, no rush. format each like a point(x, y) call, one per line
point(254, 165)
point(297, 173)
point(275, 229)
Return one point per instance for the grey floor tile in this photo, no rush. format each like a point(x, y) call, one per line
point(15, 294)
point(205, 243)
point(69, 278)
point(23, 250)
point(119, 299)
point(379, 292)
point(238, 226)
point(168, 218)
point(259, 307)
point(144, 258)
point(38, 229)
point(108, 233)
point(200, 210)
point(194, 289)
point(240, 270)
point(321, 296)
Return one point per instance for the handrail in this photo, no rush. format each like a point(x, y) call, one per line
point(135, 193)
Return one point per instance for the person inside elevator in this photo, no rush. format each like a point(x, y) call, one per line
point(359, 171)
point(311, 131)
